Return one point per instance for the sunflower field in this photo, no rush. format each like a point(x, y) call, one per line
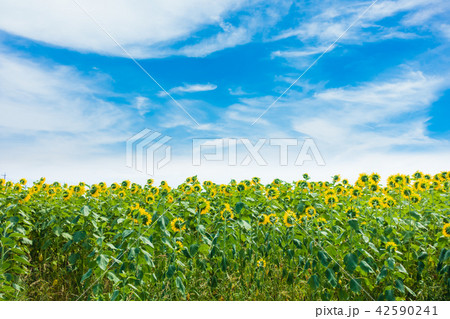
point(304, 240)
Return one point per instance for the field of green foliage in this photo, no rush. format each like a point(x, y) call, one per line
point(300, 240)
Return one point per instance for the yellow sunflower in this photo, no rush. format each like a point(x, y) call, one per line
point(177, 225)
point(446, 230)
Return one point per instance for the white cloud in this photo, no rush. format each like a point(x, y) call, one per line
point(144, 28)
point(34, 97)
point(328, 21)
point(189, 88)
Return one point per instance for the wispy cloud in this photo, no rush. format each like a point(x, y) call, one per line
point(190, 88)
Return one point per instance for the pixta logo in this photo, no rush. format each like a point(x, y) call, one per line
point(242, 151)
point(147, 151)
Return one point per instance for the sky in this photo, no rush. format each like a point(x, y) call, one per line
point(366, 81)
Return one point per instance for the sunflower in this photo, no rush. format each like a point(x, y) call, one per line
point(263, 219)
point(170, 199)
point(289, 218)
point(67, 195)
point(177, 225)
point(336, 178)
point(374, 187)
point(150, 182)
point(154, 190)
point(388, 201)
point(51, 192)
point(301, 184)
point(150, 199)
point(241, 187)
point(310, 211)
point(331, 200)
point(114, 186)
point(121, 194)
point(213, 193)
point(415, 198)
point(446, 230)
point(204, 206)
point(355, 192)
point(255, 180)
point(418, 175)
point(363, 177)
point(188, 189)
point(375, 202)
point(406, 193)
point(23, 181)
point(197, 188)
point(24, 198)
point(261, 263)
point(134, 189)
point(2, 182)
point(94, 190)
point(375, 178)
point(391, 246)
point(228, 191)
point(126, 184)
point(273, 219)
point(226, 213)
point(352, 212)
point(180, 246)
point(273, 193)
point(141, 212)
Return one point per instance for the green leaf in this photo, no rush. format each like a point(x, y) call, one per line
point(399, 285)
point(21, 260)
point(329, 273)
point(193, 249)
point(365, 267)
point(224, 263)
point(180, 286)
point(111, 276)
point(126, 233)
point(170, 271)
point(79, 236)
point(297, 243)
point(383, 273)
point(133, 253)
point(238, 207)
point(410, 291)
point(102, 261)
point(85, 211)
point(204, 249)
point(148, 258)
point(86, 275)
point(186, 253)
point(354, 224)
point(146, 241)
point(351, 262)
point(324, 258)
point(355, 285)
point(115, 294)
point(389, 294)
point(166, 242)
point(244, 224)
point(415, 215)
point(201, 229)
point(390, 263)
point(401, 269)
point(314, 282)
point(73, 258)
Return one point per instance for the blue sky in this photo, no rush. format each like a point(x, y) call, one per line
point(378, 100)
